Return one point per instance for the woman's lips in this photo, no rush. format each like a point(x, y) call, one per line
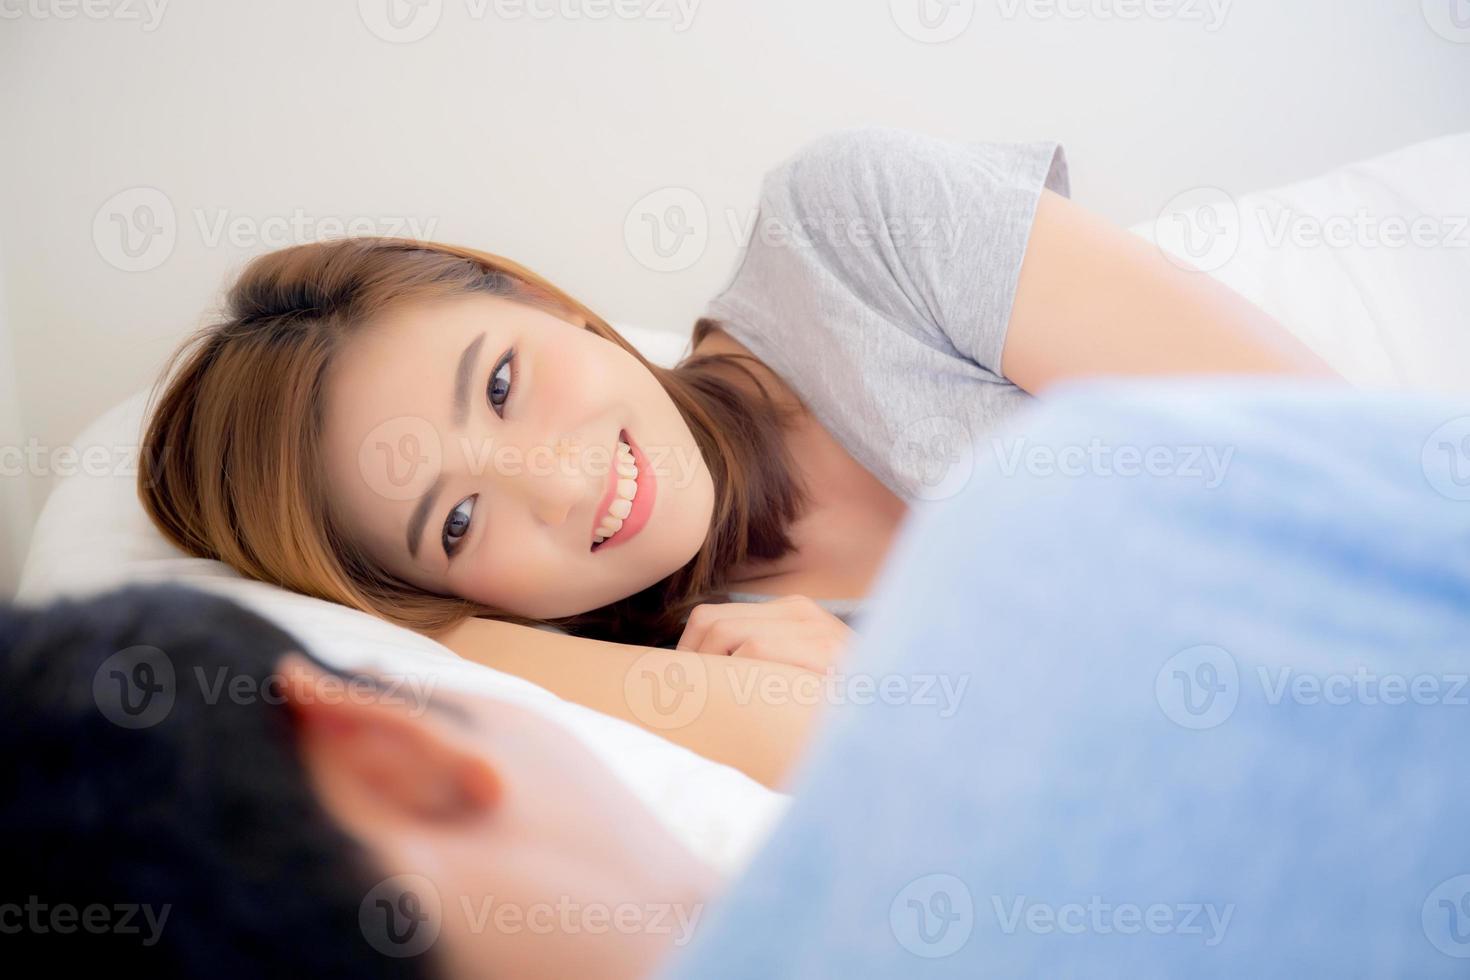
point(642, 500)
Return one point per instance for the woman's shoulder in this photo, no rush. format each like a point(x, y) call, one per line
point(852, 150)
point(883, 163)
point(840, 172)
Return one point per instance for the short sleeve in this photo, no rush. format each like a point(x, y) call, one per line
point(877, 280)
point(924, 230)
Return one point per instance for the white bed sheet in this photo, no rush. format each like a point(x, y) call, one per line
point(1335, 259)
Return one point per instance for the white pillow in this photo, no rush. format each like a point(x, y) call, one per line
point(1335, 259)
point(93, 535)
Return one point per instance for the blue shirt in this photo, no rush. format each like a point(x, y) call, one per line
point(1205, 718)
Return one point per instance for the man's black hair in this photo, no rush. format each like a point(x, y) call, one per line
point(130, 780)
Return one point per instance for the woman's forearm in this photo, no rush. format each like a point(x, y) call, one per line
point(751, 714)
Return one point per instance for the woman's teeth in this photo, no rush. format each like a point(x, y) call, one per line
point(622, 503)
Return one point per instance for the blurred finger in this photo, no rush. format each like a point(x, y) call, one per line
point(706, 614)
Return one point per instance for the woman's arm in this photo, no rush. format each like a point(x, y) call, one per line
point(1094, 299)
point(755, 714)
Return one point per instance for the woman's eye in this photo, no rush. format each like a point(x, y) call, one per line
point(457, 525)
point(498, 390)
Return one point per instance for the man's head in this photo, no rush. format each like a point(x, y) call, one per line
point(187, 791)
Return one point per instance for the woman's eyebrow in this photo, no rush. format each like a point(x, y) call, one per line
point(461, 409)
point(420, 516)
point(462, 380)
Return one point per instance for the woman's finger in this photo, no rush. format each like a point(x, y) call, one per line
point(706, 614)
point(812, 647)
point(726, 634)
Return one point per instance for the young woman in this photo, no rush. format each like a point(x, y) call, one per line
point(445, 439)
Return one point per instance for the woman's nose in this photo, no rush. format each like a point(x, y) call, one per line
point(552, 510)
point(553, 482)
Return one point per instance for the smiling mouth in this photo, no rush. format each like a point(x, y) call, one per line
point(628, 500)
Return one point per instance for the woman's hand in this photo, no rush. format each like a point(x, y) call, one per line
point(791, 630)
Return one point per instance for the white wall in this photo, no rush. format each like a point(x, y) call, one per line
point(535, 136)
point(16, 510)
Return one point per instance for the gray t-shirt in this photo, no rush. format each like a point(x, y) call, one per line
point(877, 282)
point(846, 610)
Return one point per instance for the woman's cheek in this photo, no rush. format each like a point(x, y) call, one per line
point(524, 586)
point(581, 376)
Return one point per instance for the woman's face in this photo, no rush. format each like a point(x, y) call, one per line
point(472, 449)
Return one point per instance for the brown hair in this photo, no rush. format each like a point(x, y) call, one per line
point(231, 463)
